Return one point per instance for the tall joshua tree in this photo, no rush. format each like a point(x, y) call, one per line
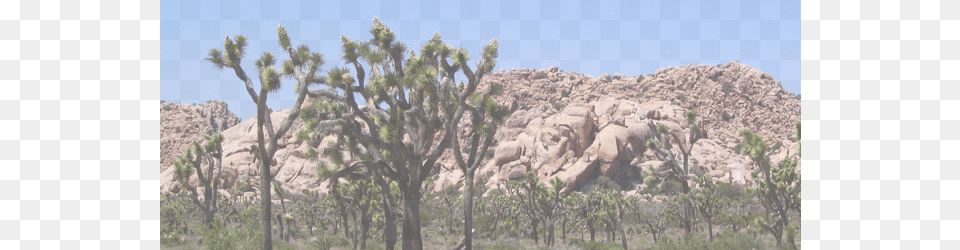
point(485, 116)
point(303, 66)
point(411, 103)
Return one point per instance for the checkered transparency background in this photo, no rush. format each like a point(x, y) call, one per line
point(80, 127)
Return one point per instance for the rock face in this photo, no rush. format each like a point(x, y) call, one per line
point(570, 126)
point(577, 127)
point(241, 170)
point(606, 138)
point(182, 123)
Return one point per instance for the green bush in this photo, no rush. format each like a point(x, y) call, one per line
point(726, 241)
point(726, 117)
point(247, 236)
point(327, 242)
point(502, 246)
point(593, 245)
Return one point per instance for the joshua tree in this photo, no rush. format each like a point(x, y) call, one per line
point(613, 207)
point(528, 194)
point(303, 66)
point(779, 191)
point(404, 128)
point(709, 202)
point(485, 116)
point(189, 162)
point(670, 169)
point(655, 215)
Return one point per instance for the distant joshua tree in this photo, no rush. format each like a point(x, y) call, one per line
point(671, 169)
point(210, 153)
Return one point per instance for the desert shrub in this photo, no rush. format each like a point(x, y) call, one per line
point(791, 232)
point(556, 105)
point(501, 246)
point(327, 242)
point(726, 241)
point(173, 213)
point(667, 187)
point(524, 106)
point(246, 236)
point(593, 245)
point(281, 245)
point(727, 88)
point(608, 184)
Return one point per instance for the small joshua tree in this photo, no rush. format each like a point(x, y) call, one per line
point(779, 191)
point(671, 169)
point(709, 202)
point(189, 162)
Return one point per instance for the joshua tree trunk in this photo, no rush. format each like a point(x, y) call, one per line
point(412, 239)
point(468, 210)
point(365, 221)
point(593, 231)
point(280, 224)
point(623, 238)
point(550, 235)
point(265, 159)
point(389, 218)
point(563, 230)
point(710, 227)
point(536, 238)
point(344, 217)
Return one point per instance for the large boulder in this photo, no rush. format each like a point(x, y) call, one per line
point(507, 152)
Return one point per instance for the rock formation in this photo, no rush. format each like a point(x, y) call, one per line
point(576, 127)
point(182, 123)
point(566, 125)
point(240, 171)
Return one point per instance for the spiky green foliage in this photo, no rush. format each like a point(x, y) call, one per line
point(302, 67)
point(753, 144)
point(190, 163)
point(779, 190)
point(665, 140)
point(709, 202)
point(538, 202)
point(411, 103)
point(796, 132)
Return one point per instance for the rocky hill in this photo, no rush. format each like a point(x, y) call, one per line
point(567, 125)
point(577, 127)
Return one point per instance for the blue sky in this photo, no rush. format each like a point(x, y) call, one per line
point(590, 37)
